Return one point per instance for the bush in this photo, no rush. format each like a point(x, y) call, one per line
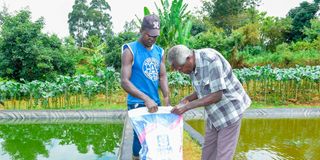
point(28, 54)
point(211, 39)
point(113, 51)
point(316, 44)
point(253, 50)
point(301, 46)
point(283, 47)
point(285, 58)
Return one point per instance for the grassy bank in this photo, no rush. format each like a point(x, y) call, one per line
point(100, 104)
point(258, 105)
point(191, 150)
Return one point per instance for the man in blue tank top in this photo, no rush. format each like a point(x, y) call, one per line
point(142, 70)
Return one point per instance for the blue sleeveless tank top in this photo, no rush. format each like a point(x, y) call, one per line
point(145, 70)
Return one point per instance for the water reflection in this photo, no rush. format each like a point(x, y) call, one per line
point(59, 141)
point(276, 139)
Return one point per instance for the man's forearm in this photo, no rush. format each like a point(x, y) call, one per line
point(165, 89)
point(205, 101)
point(191, 97)
point(165, 92)
point(133, 91)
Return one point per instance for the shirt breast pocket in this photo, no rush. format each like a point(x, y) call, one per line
point(197, 86)
point(202, 87)
point(205, 86)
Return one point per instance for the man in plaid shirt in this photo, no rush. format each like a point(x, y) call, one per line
point(219, 91)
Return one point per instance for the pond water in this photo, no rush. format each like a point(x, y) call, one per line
point(74, 141)
point(275, 139)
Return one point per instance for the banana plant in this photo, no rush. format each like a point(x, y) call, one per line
point(174, 22)
point(97, 59)
point(175, 26)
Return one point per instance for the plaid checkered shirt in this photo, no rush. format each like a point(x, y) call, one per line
point(214, 73)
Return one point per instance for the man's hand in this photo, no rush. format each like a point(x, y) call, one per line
point(184, 101)
point(179, 109)
point(151, 105)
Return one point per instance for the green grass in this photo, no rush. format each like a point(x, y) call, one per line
point(191, 150)
point(94, 105)
point(100, 104)
point(257, 105)
point(104, 105)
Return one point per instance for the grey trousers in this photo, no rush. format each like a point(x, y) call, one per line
point(220, 144)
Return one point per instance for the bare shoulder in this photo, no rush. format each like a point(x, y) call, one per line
point(127, 56)
point(126, 52)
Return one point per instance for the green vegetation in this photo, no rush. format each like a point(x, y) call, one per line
point(28, 54)
point(263, 84)
point(174, 22)
point(300, 84)
point(89, 20)
point(63, 92)
point(229, 14)
point(41, 71)
point(301, 17)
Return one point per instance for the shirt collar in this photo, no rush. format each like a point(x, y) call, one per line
point(197, 62)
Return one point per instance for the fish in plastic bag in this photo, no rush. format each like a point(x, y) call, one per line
point(159, 133)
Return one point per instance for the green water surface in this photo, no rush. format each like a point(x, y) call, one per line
point(275, 139)
point(69, 141)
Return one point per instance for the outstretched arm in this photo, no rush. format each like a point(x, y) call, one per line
point(204, 101)
point(188, 99)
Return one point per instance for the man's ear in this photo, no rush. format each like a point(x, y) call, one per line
point(188, 58)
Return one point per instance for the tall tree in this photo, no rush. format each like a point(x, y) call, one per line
point(3, 13)
point(99, 19)
point(273, 31)
point(78, 21)
point(301, 17)
point(314, 31)
point(89, 20)
point(227, 14)
point(131, 26)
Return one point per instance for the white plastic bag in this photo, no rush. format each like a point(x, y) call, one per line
point(160, 133)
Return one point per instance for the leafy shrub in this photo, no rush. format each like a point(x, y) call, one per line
point(113, 50)
point(28, 54)
point(253, 50)
point(301, 46)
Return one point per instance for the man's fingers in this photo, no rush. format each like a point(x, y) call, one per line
point(178, 110)
point(175, 110)
point(153, 109)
